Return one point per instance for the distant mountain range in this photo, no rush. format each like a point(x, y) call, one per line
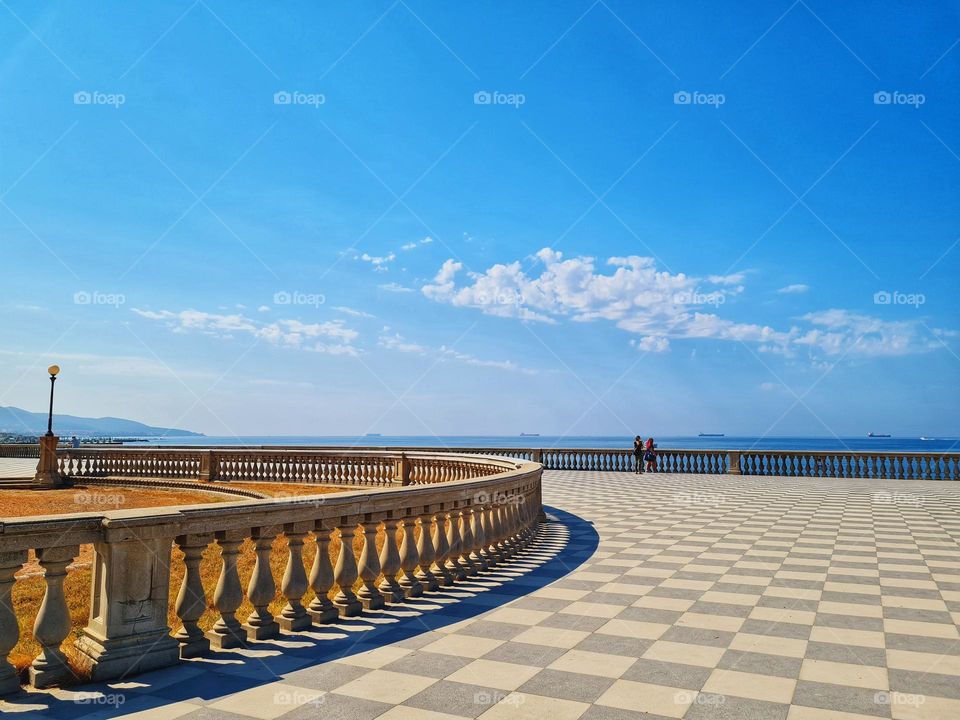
point(22, 422)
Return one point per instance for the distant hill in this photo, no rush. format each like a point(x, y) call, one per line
point(22, 422)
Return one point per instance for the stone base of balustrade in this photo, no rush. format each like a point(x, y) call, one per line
point(225, 638)
point(378, 602)
point(197, 647)
point(350, 608)
point(51, 675)
point(111, 659)
point(322, 617)
point(392, 593)
point(267, 631)
point(295, 623)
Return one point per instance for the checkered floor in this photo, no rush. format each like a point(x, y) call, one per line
point(649, 596)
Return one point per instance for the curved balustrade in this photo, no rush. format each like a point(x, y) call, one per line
point(378, 466)
point(456, 515)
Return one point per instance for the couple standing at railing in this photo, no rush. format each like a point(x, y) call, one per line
point(644, 454)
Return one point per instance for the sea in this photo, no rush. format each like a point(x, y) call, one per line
point(678, 442)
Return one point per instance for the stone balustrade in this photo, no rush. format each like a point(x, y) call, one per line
point(471, 513)
point(376, 466)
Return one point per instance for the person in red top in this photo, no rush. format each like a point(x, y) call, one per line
point(650, 455)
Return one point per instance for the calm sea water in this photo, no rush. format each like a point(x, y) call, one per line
point(901, 444)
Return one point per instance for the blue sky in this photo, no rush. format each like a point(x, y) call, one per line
point(435, 218)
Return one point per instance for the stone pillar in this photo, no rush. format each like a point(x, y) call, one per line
point(425, 550)
point(390, 563)
point(369, 569)
point(261, 589)
point(402, 469)
point(409, 560)
point(294, 616)
point(227, 632)
point(191, 600)
point(345, 573)
point(209, 463)
point(128, 631)
point(733, 462)
point(321, 579)
point(10, 562)
point(48, 470)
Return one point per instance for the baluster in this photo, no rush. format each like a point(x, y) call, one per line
point(497, 548)
point(479, 555)
point(227, 632)
point(467, 541)
point(346, 573)
point(10, 563)
point(369, 594)
point(390, 563)
point(321, 610)
point(455, 544)
point(441, 551)
point(425, 546)
point(53, 621)
point(261, 589)
point(409, 559)
point(191, 600)
point(294, 617)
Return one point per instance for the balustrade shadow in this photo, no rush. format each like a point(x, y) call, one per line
point(561, 544)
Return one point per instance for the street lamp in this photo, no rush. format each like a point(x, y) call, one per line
point(48, 469)
point(53, 370)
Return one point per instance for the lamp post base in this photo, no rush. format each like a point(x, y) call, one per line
point(48, 470)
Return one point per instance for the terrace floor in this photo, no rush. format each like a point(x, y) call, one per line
point(17, 468)
point(712, 597)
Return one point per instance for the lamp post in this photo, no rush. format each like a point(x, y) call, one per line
point(54, 371)
point(48, 469)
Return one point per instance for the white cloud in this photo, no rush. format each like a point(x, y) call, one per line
point(795, 289)
point(379, 262)
point(350, 311)
point(658, 306)
point(398, 343)
point(413, 245)
point(263, 308)
point(394, 288)
point(331, 337)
